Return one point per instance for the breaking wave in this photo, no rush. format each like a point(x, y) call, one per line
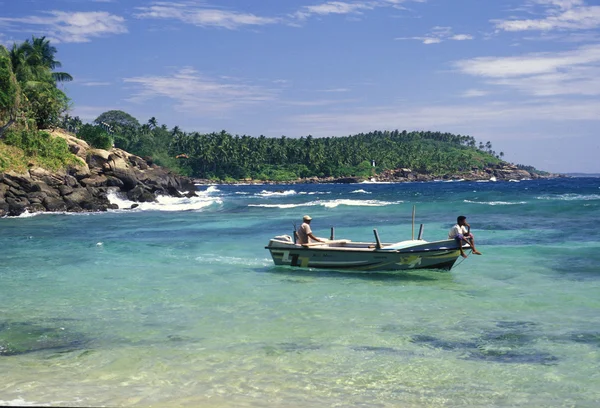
point(496, 202)
point(167, 203)
point(331, 204)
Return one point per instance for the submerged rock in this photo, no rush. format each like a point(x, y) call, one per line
point(22, 338)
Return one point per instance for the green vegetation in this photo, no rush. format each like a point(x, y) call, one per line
point(222, 156)
point(30, 100)
point(95, 136)
point(34, 148)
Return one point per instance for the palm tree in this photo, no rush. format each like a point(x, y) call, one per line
point(10, 92)
point(152, 123)
point(40, 52)
point(32, 64)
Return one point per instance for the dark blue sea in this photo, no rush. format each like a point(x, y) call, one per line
point(178, 303)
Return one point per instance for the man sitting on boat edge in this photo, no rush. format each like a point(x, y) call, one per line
point(461, 232)
point(305, 233)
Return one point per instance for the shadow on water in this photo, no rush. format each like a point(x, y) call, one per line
point(283, 348)
point(574, 263)
point(18, 338)
point(511, 342)
point(507, 343)
point(424, 276)
point(590, 338)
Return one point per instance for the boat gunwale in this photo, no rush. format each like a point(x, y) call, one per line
point(356, 247)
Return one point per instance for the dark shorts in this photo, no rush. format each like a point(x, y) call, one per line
point(461, 237)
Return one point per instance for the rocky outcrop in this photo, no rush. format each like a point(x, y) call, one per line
point(500, 172)
point(84, 186)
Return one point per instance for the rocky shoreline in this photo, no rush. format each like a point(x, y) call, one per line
point(502, 172)
point(84, 187)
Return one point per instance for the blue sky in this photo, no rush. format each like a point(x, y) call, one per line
point(523, 74)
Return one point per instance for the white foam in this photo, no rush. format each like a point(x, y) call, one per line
point(281, 205)
point(372, 181)
point(20, 402)
point(209, 190)
point(361, 191)
point(168, 203)
point(496, 202)
point(231, 260)
point(27, 214)
point(279, 193)
point(570, 197)
point(314, 192)
point(331, 204)
point(359, 203)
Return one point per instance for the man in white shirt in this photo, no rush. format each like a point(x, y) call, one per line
point(461, 232)
point(304, 232)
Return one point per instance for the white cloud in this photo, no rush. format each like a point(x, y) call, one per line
point(201, 16)
point(335, 7)
point(461, 37)
point(319, 102)
point(191, 12)
point(438, 35)
point(335, 90)
point(575, 72)
point(90, 113)
point(94, 83)
point(195, 93)
point(474, 93)
point(73, 27)
point(562, 4)
point(557, 15)
point(537, 63)
point(462, 118)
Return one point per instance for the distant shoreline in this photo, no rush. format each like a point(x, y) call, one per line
point(376, 179)
point(502, 173)
point(594, 175)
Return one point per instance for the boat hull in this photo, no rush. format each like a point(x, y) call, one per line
point(366, 257)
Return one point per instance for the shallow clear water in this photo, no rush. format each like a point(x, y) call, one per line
point(178, 304)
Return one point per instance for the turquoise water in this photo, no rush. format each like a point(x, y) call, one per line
point(179, 304)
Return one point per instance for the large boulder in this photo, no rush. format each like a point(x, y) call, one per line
point(96, 180)
point(141, 193)
point(17, 205)
point(54, 204)
point(97, 158)
point(4, 207)
point(127, 177)
point(79, 171)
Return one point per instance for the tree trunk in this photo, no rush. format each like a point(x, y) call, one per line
point(3, 128)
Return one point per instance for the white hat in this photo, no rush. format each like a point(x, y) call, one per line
point(306, 218)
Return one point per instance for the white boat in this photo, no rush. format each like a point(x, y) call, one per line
point(345, 254)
